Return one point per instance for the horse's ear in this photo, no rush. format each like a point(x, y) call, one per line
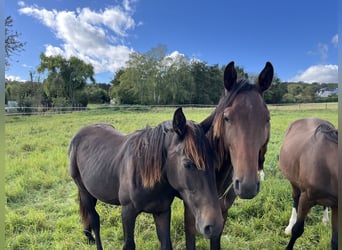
point(230, 76)
point(265, 77)
point(179, 122)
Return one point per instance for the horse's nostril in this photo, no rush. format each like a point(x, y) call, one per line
point(237, 185)
point(208, 230)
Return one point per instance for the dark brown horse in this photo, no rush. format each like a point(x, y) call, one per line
point(308, 159)
point(143, 172)
point(239, 130)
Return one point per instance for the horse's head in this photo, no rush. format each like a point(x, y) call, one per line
point(241, 127)
point(190, 171)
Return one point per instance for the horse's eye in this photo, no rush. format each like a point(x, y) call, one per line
point(226, 118)
point(189, 165)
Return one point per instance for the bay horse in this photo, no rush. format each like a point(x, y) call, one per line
point(238, 131)
point(143, 172)
point(309, 160)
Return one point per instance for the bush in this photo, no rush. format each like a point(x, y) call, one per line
point(81, 99)
point(97, 95)
point(25, 104)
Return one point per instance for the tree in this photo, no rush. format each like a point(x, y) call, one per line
point(12, 43)
point(66, 78)
point(241, 72)
point(26, 94)
point(115, 86)
point(208, 83)
point(295, 91)
point(276, 92)
point(309, 93)
point(96, 94)
point(199, 72)
point(177, 85)
point(137, 84)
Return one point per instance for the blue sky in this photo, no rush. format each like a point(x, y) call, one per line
point(298, 37)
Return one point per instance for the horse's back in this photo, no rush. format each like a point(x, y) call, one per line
point(298, 136)
point(308, 159)
point(294, 144)
point(92, 153)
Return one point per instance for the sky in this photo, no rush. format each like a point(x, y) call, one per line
point(298, 37)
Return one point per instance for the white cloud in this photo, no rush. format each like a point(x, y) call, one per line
point(174, 58)
point(53, 51)
point(97, 37)
point(318, 73)
point(13, 78)
point(21, 3)
point(321, 51)
point(334, 40)
point(26, 66)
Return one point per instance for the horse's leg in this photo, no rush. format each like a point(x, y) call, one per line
point(128, 215)
point(226, 203)
point(334, 225)
point(293, 218)
point(215, 243)
point(190, 228)
point(162, 221)
point(91, 219)
point(325, 218)
point(304, 207)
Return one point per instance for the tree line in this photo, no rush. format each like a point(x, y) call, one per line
point(151, 78)
point(148, 79)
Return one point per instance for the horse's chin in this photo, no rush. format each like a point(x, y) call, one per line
point(248, 193)
point(247, 196)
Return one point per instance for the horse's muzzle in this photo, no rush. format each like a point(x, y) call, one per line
point(212, 231)
point(210, 226)
point(246, 189)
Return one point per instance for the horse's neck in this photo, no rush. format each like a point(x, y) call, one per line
point(224, 168)
point(224, 175)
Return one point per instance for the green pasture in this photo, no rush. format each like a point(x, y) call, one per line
point(42, 208)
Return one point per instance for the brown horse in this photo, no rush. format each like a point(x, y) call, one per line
point(239, 130)
point(143, 172)
point(308, 159)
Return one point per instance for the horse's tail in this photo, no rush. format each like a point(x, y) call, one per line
point(84, 214)
point(75, 174)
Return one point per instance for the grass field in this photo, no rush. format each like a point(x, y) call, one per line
point(42, 209)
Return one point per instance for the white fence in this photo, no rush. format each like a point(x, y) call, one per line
point(41, 110)
point(60, 110)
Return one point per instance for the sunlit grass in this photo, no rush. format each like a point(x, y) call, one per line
point(42, 208)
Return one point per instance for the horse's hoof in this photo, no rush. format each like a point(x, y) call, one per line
point(91, 241)
point(288, 231)
point(89, 236)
